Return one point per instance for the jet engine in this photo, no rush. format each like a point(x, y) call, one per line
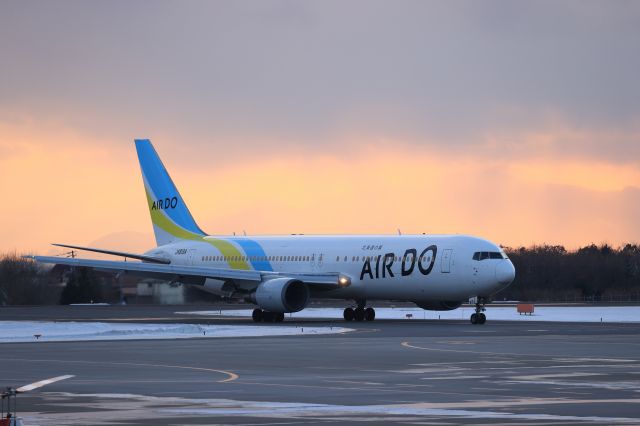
point(438, 305)
point(281, 295)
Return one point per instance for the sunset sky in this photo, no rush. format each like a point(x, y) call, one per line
point(515, 121)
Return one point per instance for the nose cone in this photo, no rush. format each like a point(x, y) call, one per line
point(505, 272)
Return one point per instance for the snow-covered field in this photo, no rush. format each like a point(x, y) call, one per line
point(26, 331)
point(500, 313)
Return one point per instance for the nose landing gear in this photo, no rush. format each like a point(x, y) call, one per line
point(478, 317)
point(360, 313)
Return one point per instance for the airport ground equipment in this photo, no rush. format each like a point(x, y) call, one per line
point(525, 308)
point(8, 399)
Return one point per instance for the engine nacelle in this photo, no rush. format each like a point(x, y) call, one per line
point(282, 295)
point(438, 305)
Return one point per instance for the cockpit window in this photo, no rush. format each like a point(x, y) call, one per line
point(482, 255)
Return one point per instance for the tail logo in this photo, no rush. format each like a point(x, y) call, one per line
point(166, 203)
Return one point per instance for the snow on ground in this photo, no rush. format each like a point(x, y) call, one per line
point(504, 313)
point(26, 331)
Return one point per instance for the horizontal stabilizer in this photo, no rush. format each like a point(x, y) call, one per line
point(118, 253)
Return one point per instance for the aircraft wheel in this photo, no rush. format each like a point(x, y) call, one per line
point(268, 316)
point(358, 314)
point(279, 317)
point(482, 318)
point(474, 318)
point(369, 314)
point(348, 314)
point(257, 315)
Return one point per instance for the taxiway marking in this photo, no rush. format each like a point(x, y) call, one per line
point(230, 375)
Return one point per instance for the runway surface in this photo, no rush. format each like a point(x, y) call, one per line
point(391, 371)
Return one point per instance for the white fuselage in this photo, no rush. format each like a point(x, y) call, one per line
point(403, 267)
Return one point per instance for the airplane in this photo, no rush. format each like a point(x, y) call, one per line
point(281, 274)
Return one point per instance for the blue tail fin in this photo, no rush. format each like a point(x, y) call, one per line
point(170, 216)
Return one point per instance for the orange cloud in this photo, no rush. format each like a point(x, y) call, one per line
point(59, 188)
point(589, 175)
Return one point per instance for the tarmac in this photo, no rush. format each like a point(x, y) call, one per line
point(384, 372)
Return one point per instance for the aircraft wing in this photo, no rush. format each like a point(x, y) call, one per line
point(192, 274)
point(117, 253)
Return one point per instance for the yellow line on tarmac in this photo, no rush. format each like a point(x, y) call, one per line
point(407, 345)
point(230, 375)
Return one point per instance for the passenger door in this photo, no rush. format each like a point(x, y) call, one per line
point(191, 257)
point(445, 263)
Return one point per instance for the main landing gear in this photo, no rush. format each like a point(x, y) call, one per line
point(479, 317)
point(259, 315)
point(360, 313)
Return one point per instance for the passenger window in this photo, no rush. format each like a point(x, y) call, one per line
point(337, 258)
